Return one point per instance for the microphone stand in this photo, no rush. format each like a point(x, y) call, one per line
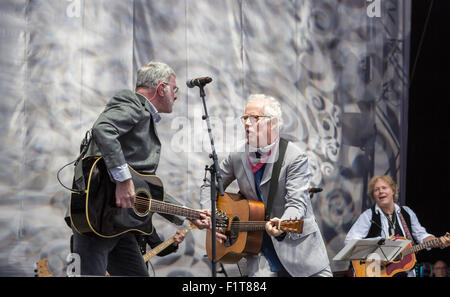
point(215, 183)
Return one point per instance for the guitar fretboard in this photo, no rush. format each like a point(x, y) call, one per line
point(248, 226)
point(167, 208)
point(150, 254)
point(158, 249)
point(425, 245)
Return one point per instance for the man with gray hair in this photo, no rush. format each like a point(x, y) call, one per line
point(253, 168)
point(125, 134)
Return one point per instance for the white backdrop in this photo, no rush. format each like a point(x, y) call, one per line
point(338, 67)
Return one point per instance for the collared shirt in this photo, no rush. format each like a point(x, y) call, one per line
point(265, 155)
point(267, 246)
point(269, 154)
point(122, 172)
point(153, 110)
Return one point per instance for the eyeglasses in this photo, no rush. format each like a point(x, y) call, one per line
point(253, 118)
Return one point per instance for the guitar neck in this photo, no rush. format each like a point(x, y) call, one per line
point(292, 226)
point(150, 254)
point(172, 209)
point(425, 245)
point(249, 226)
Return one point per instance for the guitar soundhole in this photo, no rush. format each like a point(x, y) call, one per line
point(232, 234)
point(142, 203)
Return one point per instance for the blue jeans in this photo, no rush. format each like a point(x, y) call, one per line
point(120, 255)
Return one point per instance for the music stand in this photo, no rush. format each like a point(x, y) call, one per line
point(360, 249)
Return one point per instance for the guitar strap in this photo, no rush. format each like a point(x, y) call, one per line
point(275, 175)
point(79, 182)
point(376, 229)
point(405, 227)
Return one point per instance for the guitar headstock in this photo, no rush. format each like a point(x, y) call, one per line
point(189, 228)
point(42, 269)
point(222, 221)
point(292, 226)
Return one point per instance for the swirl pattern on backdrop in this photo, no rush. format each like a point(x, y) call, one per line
point(337, 72)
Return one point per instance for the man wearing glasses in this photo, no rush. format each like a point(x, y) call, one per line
point(125, 134)
point(281, 254)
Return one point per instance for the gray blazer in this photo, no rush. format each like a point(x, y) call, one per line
point(125, 133)
point(301, 255)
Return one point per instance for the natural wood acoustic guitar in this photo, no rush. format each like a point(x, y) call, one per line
point(244, 220)
point(43, 270)
point(405, 261)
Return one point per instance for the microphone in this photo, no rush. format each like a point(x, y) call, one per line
point(315, 190)
point(199, 81)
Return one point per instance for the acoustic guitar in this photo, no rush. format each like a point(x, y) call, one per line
point(94, 211)
point(244, 220)
point(405, 261)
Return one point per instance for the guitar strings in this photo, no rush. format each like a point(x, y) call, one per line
point(145, 201)
point(251, 222)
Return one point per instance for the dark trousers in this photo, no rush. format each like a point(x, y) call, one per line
point(120, 255)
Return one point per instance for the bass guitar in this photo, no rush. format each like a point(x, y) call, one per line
point(405, 262)
point(244, 225)
point(94, 211)
point(42, 268)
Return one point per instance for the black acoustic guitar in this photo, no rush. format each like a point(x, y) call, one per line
point(94, 211)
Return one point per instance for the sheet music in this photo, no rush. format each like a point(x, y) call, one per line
point(360, 249)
